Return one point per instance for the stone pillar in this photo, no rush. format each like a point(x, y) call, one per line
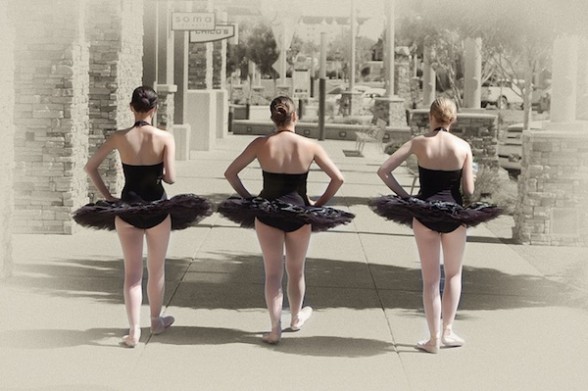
point(180, 68)
point(164, 86)
point(473, 73)
point(554, 169)
point(115, 33)
point(389, 48)
point(582, 85)
point(402, 73)
point(219, 60)
point(50, 114)
point(150, 41)
point(350, 103)
point(7, 146)
point(390, 108)
point(563, 82)
point(429, 78)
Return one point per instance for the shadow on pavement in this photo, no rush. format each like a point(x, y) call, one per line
point(234, 281)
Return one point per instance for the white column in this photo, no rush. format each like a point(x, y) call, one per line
point(389, 48)
point(564, 75)
point(473, 73)
point(429, 78)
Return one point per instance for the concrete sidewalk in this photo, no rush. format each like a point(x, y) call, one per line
point(524, 310)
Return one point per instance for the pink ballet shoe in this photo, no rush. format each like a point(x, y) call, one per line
point(451, 340)
point(302, 317)
point(273, 337)
point(130, 342)
point(429, 346)
point(161, 324)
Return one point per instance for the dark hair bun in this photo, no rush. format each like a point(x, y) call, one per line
point(281, 110)
point(144, 99)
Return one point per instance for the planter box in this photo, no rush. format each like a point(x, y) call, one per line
point(310, 129)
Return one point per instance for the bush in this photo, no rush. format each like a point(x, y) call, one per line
point(493, 185)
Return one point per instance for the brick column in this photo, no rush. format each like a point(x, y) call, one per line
point(51, 114)
point(115, 33)
point(554, 170)
point(7, 146)
point(165, 87)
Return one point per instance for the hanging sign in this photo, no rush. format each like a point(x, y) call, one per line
point(193, 21)
point(221, 31)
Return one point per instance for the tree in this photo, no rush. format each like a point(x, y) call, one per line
point(262, 49)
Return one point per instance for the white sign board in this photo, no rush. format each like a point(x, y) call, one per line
point(193, 21)
point(221, 31)
point(301, 82)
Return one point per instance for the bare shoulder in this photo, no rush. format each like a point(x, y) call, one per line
point(461, 142)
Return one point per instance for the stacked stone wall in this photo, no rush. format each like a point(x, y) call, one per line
point(50, 114)
point(217, 64)
point(199, 68)
point(115, 33)
point(7, 145)
point(553, 189)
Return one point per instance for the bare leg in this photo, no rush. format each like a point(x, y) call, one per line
point(429, 245)
point(453, 249)
point(131, 240)
point(271, 241)
point(296, 247)
point(157, 243)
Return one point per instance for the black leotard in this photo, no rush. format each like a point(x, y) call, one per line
point(440, 185)
point(143, 184)
point(289, 188)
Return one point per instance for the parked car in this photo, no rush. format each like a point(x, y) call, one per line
point(503, 94)
point(367, 97)
point(510, 150)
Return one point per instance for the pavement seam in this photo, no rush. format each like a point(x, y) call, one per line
point(388, 321)
point(181, 279)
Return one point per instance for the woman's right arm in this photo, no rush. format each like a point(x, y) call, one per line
point(94, 162)
point(326, 164)
point(240, 162)
point(395, 160)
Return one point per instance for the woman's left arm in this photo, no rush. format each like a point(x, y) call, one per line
point(169, 159)
point(467, 179)
point(395, 160)
point(94, 162)
point(240, 162)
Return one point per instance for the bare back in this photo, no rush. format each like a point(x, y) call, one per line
point(440, 151)
point(286, 152)
point(145, 145)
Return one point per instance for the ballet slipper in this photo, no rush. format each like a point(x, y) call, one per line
point(451, 340)
point(161, 324)
point(273, 337)
point(302, 317)
point(130, 341)
point(429, 346)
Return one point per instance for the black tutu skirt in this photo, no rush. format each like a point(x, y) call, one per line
point(402, 211)
point(185, 210)
point(243, 211)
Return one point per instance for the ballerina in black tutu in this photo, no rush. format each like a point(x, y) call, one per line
point(283, 215)
point(436, 215)
point(147, 156)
